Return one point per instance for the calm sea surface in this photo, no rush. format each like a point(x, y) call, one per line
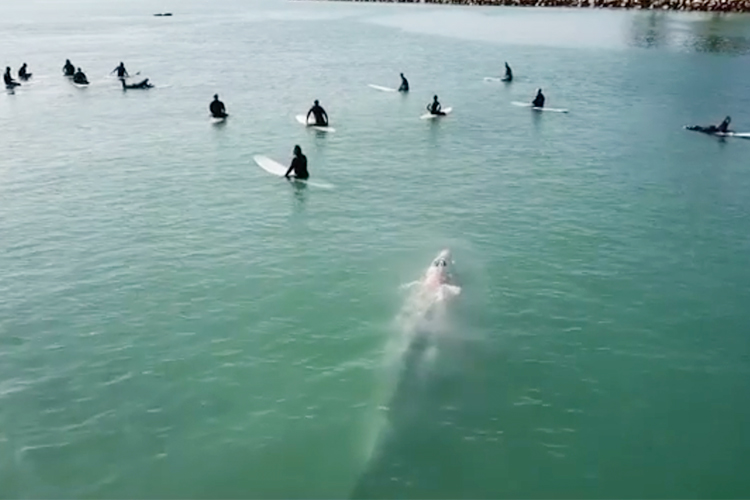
point(176, 322)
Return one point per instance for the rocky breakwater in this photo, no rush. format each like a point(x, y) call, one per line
point(683, 5)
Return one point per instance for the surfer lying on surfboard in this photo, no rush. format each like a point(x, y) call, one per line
point(140, 85)
point(217, 108)
point(299, 165)
point(321, 117)
point(434, 107)
point(722, 128)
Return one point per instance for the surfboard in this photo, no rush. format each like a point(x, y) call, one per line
point(217, 119)
point(741, 135)
point(529, 105)
point(277, 169)
point(303, 120)
point(430, 116)
point(382, 89)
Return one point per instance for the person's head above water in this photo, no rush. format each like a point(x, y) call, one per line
point(728, 119)
point(539, 91)
point(316, 102)
point(402, 75)
point(434, 98)
point(216, 97)
point(297, 150)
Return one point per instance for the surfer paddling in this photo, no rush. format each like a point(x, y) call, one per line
point(299, 165)
point(321, 117)
point(217, 108)
point(722, 128)
point(145, 84)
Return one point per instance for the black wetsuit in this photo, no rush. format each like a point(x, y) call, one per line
point(217, 109)
point(22, 74)
point(723, 127)
point(508, 74)
point(69, 69)
point(80, 78)
point(121, 71)
point(9, 82)
point(299, 167)
point(321, 117)
point(538, 101)
point(435, 108)
point(404, 85)
point(141, 85)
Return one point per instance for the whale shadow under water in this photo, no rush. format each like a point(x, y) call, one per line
point(417, 451)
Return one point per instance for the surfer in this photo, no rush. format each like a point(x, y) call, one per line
point(80, 78)
point(217, 108)
point(404, 84)
point(121, 71)
point(9, 81)
point(434, 107)
point(299, 165)
point(508, 74)
point(23, 74)
point(141, 85)
point(68, 69)
point(321, 117)
point(722, 128)
point(538, 101)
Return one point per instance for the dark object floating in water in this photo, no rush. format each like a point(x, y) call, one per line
point(166, 14)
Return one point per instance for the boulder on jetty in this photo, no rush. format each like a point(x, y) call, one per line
point(684, 5)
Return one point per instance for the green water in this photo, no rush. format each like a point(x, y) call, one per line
point(175, 322)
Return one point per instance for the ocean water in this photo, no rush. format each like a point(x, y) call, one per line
point(177, 323)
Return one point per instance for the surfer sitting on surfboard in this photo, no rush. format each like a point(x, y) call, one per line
point(508, 74)
point(538, 101)
point(23, 74)
point(404, 84)
point(299, 165)
point(435, 107)
point(80, 78)
point(9, 81)
point(140, 85)
point(121, 71)
point(68, 69)
point(321, 117)
point(217, 108)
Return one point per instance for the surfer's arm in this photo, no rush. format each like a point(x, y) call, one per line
point(307, 118)
point(291, 167)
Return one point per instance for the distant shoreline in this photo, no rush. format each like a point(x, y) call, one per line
point(674, 5)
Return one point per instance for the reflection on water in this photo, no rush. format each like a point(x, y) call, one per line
point(716, 33)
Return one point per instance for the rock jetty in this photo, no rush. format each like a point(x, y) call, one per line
point(683, 5)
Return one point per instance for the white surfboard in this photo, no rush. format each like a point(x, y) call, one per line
point(303, 120)
point(216, 119)
point(529, 105)
point(430, 116)
point(381, 88)
point(275, 168)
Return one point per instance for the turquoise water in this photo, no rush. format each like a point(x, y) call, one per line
point(175, 322)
